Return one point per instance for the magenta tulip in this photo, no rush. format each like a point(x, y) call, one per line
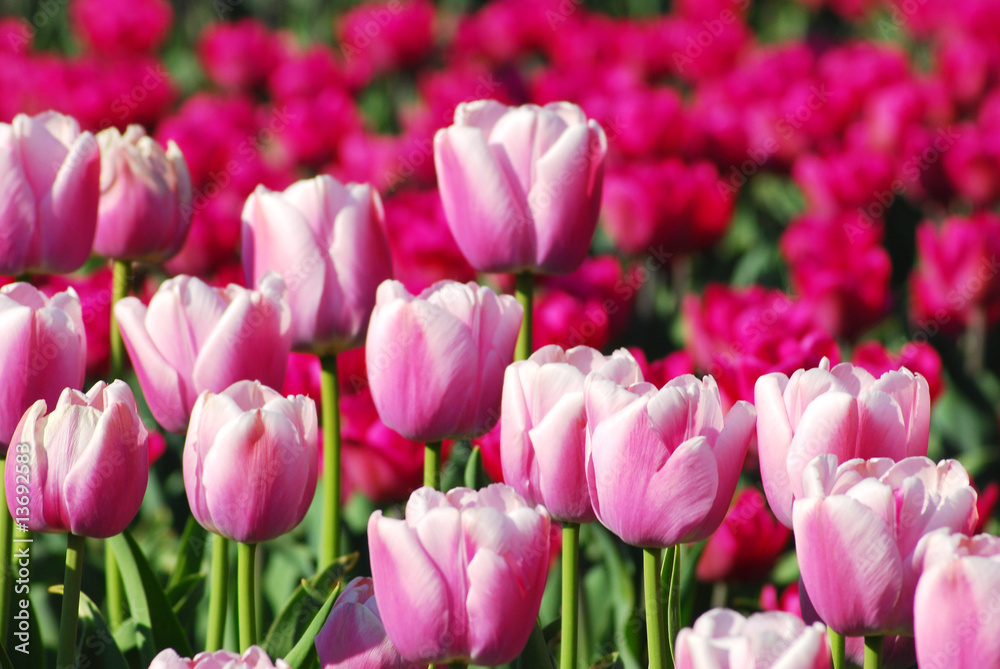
point(662, 466)
point(521, 185)
point(50, 189)
point(543, 425)
point(193, 337)
point(145, 207)
point(436, 361)
point(251, 461)
point(253, 658)
point(724, 639)
point(81, 468)
point(857, 530)
point(353, 637)
point(956, 609)
point(328, 241)
point(45, 350)
point(461, 577)
point(844, 411)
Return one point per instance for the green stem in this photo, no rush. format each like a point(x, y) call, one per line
point(524, 291)
point(219, 596)
point(838, 648)
point(330, 403)
point(570, 594)
point(245, 595)
point(6, 571)
point(119, 289)
point(432, 464)
point(66, 656)
point(116, 589)
point(654, 607)
point(674, 599)
point(873, 652)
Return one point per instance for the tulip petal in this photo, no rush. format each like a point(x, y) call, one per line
point(730, 451)
point(881, 430)
point(33, 473)
point(828, 425)
point(774, 438)
point(18, 213)
point(68, 212)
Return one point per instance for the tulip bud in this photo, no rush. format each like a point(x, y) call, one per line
point(328, 242)
point(145, 206)
point(436, 361)
point(81, 468)
point(45, 350)
point(521, 186)
point(193, 338)
point(461, 577)
point(48, 212)
point(251, 461)
point(353, 637)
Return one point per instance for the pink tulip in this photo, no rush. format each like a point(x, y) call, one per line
point(956, 609)
point(461, 577)
point(662, 465)
point(543, 425)
point(746, 545)
point(121, 28)
point(45, 350)
point(82, 467)
point(51, 188)
point(250, 461)
point(521, 185)
point(724, 639)
point(193, 337)
point(436, 361)
point(857, 533)
point(253, 658)
point(844, 411)
point(328, 242)
point(353, 637)
point(145, 206)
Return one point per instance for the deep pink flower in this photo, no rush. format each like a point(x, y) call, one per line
point(224, 47)
point(122, 27)
point(919, 357)
point(746, 545)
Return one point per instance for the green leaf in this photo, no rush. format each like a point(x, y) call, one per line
point(5, 662)
point(474, 478)
point(303, 655)
point(300, 609)
point(191, 552)
point(96, 645)
point(185, 596)
point(611, 661)
point(157, 626)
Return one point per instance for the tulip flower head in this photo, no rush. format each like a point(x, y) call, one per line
point(353, 637)
point(521, 186)
point(543, 425)
point(844, 411)
point(328, 242)
point(50, 194)
point(45, 350)
point(82, 467)
point(724, 639)
point(253, 658)
point(251, 461)
point(857, 534)
point(436, 361)
point(461, 577)
point(662, 465)
point(145, 207)
point(193, 338)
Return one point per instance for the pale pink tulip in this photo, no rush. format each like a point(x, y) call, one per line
point(724, 639)
point(45, 350)
point(956, 609)
point(253, 658)
point(436, 361)
point(82, 467)
point(251, 461)
point(521, 186)
point(461, 577)
point(145, 207)
point(857, 534)
point(353, 637)
point(193, 338)
point(50, 186)
point(662, 466)
point(328, 241)
point(844, 411)
point(543, 423)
